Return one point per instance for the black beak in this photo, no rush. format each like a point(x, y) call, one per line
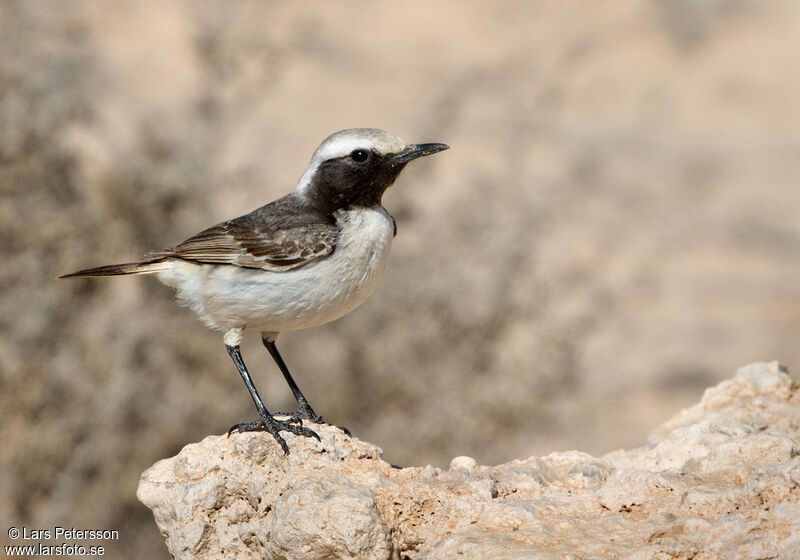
point(414, 151)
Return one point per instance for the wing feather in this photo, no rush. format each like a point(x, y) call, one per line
point(276, 237)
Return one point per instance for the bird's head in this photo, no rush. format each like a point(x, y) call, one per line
point(354, 167)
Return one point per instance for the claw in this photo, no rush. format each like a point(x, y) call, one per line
point(282, 443)
point(303, 431)
point(273, 426)
point(305, 412)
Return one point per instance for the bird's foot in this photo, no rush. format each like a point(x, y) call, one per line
point(305, 412)
point(272, 425)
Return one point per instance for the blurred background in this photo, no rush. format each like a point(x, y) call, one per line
point(614, 229)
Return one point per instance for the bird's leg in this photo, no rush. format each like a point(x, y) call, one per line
point(266, 422)
point(304, 410)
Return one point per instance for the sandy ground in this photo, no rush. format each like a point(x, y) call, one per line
point(614, 229)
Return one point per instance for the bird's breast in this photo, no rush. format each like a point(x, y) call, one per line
point(362, 247)
point(226, 296)
point(331, 287)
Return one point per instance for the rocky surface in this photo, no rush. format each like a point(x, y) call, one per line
point(719, 480)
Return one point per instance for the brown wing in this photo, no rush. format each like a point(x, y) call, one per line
point(279, 236)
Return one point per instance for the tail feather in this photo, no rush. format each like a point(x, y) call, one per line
point(142, 267)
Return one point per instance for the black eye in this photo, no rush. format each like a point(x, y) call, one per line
point(359, 156)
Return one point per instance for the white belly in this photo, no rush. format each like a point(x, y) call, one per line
point(229, 297)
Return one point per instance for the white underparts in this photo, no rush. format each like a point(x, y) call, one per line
point(230, 298)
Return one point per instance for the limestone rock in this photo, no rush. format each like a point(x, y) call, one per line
point(719, 480)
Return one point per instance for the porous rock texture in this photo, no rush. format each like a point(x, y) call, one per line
point(719, 480)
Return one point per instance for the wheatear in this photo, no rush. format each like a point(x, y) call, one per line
point(303, 260)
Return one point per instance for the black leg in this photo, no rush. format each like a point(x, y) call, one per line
point(236, 356)
point(266, 422)
point(304, 409)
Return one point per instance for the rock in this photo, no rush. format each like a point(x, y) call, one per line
point(719, 480)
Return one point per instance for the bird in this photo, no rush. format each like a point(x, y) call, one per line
point(302, 260)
